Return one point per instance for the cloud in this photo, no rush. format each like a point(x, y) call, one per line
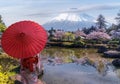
point(46, 9)
point(42, 14)
point(94, 7)
point(78, 10)
point(45, 13)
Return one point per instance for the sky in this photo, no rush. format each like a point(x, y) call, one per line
point(42, 11)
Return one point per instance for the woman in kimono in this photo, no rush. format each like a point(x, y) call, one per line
point(30, 70)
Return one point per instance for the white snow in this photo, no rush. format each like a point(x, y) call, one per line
point(70, 21)
point(73, 17)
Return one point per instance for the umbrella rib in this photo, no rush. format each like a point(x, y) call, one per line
point(38, 44)
point(8, 49)
point(24, 46)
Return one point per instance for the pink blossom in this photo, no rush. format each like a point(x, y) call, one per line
point(98, 35)
point(79, 33)
point(59, 34)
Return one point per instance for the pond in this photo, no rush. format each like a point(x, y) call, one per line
point(78, 66)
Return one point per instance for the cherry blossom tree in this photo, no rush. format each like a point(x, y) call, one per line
point(97, 35)
point(59, 34)
point(79, 33)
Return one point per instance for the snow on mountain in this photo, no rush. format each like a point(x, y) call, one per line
point(70, 21)
point(73, 17)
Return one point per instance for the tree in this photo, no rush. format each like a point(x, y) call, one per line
point(118, 19)
point(79, 33)
point(115, 34)
point(59, 34)
point(51, 33)
point(85, 30)
point(89, 30)
point(101, 22)
point(97, 35)
point(2, 25)
point(112, 27)
point(69, 36)
point(1, 19)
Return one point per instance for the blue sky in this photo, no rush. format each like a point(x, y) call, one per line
point(42, 11)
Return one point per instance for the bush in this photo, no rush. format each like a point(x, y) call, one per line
point(4, 77)
point(7, 64)
point(113, 42)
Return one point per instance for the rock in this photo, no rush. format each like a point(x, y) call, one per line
point(16, 78)
point(102, 49)
point(41, 82)
point(118, 48)
point(112, 54)
point(116, 62)
point(17, 82)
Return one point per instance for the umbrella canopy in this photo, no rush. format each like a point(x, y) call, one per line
point(24, 39)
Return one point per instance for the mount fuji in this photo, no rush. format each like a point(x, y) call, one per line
point(70, 22)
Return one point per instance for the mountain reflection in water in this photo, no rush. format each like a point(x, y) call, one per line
point(78, 66)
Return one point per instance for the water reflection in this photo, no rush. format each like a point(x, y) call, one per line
point(84, 59)
point(117, 71)
point(70, 55)
point(101, 66)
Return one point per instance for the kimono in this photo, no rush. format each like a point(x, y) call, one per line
point(30, 69)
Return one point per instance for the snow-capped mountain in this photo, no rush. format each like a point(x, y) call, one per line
point(73, 17)
point(70, 21)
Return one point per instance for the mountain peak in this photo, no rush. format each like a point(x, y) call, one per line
point(73, 17)
point(70, 21)
point(67, 16)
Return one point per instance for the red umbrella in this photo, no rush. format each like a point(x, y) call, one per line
point(24, 39)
